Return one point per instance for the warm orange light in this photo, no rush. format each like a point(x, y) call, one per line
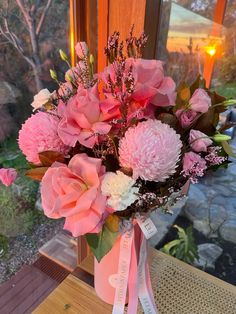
point(211, 50)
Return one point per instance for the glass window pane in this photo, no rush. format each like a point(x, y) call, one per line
point(188, 36)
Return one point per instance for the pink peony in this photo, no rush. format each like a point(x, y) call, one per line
point(152, 149)
point(39, 134)
point(7, 176)
point(82, 119)
point(186, 117)
point(193, 166)
point(199, 141)
point(81, 49)
point(73, 192)
point(200, 101)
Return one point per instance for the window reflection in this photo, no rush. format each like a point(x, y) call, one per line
point(190, 38)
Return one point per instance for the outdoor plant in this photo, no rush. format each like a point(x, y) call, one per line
point(3, 245)
point(183, 247)
point(111, 147)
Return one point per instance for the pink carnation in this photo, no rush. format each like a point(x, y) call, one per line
point(200, 101)
point(193, 166)
point(82, 119)
point(39, 134)
point(73, 192)
point(7, 176)
point(199, 141)
point(151, 149)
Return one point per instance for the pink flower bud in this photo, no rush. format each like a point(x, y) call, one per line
point(81, 49)
point(8, 176)
point(200, 101)
point(199, 141)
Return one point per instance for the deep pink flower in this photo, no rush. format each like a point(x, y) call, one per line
point(82, 119)
point(8, 176)
point(200, 101)
point(149, 86)
point(186, 117)
point(199, 141)
point(151, 149)
point(39, 134)
point(73, 192)
point(150, 82)
point(193, 166)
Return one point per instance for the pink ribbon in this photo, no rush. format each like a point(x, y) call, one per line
point(133, 273)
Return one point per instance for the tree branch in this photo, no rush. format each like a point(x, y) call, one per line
point(14, 41)
point(24, 12)
point(43, 15)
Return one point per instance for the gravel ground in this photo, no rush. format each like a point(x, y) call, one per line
point(24, 248)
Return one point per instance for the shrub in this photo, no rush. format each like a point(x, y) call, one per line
point(228, 69)
point(17, 207)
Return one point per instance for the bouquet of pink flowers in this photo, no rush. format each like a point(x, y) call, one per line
point(113, 146)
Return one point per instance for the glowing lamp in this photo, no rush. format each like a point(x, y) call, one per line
point(211, 50)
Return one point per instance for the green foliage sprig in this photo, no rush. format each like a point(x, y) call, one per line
point(184, 247)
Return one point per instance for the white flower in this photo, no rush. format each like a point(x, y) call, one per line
point(41, 99)
point(120, 190)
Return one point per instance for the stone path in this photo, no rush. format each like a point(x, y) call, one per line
point(211, 204)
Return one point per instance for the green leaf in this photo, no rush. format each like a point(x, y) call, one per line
point(36, 173)
point(101, 243)
point(112, 223)
point(183, 248)
point(228, 149)
point(198, 83)
point(47, 158)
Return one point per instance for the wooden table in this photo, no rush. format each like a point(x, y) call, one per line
point(178, 288)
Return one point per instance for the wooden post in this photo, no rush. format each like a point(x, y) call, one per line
point(210, 60)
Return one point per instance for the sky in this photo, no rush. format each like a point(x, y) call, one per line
point(185, 24)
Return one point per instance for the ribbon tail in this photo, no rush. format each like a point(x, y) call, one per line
point(123, 271)
point(145, 292)
point(132, 285)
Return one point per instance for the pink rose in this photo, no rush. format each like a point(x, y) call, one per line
point(200, 101)
point(82, 119)
point(199, 141)
point(81, 49)
point(185, 117)
point(8, 176)
point(73, 192)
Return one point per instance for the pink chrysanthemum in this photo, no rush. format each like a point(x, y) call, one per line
point(39, 134)
point(152, 149)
